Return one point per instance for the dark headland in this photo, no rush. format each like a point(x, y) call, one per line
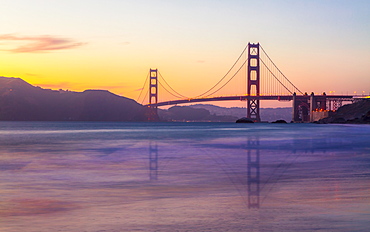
point(20, 101)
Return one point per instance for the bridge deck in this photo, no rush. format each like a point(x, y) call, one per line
point(244, 98)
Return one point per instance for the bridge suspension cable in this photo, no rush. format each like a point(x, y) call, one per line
point(224, 76)
point(179, 95)
point(146, 94)
point(228, 80)
point(275, 77)
point(160, 84)
point(146, 80)
point(294, 87)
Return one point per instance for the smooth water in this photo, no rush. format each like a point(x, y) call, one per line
point(59, 176)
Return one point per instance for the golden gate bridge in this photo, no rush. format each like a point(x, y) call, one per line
point(254, 77)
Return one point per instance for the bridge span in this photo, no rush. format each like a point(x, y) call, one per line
point(303, 106)
point(262, 78)
point(245, 98)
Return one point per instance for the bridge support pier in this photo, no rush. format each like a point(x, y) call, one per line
point(294, 108)
point(312, 105)
point(253, 82)
point(301, 108)
point(317, 103)
point(310, 108)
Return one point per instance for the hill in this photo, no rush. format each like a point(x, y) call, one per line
point(20, 101)
point(356, 113)
point(267, 114)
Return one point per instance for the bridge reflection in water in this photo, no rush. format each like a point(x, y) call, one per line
point(251, 153)
point(242, 165)
point(253, 173)
point(153, 160)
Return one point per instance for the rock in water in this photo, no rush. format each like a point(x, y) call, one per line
point(280, 121)
point(244, 120)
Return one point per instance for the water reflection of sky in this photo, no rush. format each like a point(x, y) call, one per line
point(197, 177)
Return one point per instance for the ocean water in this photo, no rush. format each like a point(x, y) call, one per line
point(88, 176)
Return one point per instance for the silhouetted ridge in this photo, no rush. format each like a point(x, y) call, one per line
point(20, 101)
point(16, 84)
point(13, 82)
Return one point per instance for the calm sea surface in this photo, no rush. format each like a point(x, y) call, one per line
point(58, 176)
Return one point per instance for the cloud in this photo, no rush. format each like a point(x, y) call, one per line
point(34, 44)
point(136, 90)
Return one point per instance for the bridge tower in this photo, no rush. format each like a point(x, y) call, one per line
point(253, 82)
point(153, 95)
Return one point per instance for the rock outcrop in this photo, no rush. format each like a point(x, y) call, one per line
point(244, 120)
point(356, 113)
point(280, 121)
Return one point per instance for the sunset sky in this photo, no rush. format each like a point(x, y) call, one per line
point(111, 44)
